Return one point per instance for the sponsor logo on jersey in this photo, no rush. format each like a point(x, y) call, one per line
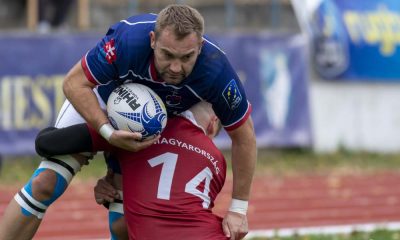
point(232, 95)
point(109, 52)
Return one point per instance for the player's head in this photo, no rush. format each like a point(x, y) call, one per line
point(177, 41)
point(206, 118)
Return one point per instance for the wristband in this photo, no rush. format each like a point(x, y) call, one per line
point(106, 130)
point(239, 206)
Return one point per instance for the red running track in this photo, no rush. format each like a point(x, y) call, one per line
point(276, 203)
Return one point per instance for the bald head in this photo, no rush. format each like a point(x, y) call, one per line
point(206, 118)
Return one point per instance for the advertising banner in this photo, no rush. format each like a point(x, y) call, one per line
point(32, 68)
point(274, 74)
point(353, 40)
point(273, 69)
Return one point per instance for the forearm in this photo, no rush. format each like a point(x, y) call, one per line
point(79, 91)
point(244, 158)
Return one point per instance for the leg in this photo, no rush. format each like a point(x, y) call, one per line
point(26, 210)
point(116, 218)
point(15, 225)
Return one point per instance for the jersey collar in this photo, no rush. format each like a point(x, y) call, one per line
point(153, 71)
point(189, 116)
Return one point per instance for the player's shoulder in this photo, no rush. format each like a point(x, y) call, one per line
point(212, 56)
point(211, 63)
point(212, 48)
point(140, 20)
point(132, 34)
point(135, 26)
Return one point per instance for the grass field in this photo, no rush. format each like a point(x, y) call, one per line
point(277, 163)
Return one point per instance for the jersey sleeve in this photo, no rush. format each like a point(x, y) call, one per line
point(101, 64)
point(229, 99)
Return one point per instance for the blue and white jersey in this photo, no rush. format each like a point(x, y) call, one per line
point(125, 54)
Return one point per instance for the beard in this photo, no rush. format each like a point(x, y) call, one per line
point(173, 78)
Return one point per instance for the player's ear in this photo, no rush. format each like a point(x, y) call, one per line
point(213, 127)
point(201, 45)
point(152, 39)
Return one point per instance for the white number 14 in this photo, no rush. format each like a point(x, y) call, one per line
point(168, 161)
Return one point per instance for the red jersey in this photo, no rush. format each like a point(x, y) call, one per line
point(170, 187)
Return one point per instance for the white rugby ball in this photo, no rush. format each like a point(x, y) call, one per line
point(135, 107)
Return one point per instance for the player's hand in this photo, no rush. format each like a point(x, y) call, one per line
point(104, 191)
point(235, 225)
point(83, 158)
point(130, 141)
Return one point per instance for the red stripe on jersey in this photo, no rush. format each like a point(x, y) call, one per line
point(87, 72)
point(153, 71)
point(241, 121)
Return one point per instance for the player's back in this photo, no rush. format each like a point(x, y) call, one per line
point(175, 188)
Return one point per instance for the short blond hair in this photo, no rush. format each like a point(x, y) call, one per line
point(183, 19)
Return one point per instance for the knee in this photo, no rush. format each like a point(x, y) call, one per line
point(43, 185)
point(41, 191)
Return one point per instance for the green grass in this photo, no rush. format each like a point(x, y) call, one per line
point(17, 170)
point(270, 162)
point(303, 162)
point(376, 235)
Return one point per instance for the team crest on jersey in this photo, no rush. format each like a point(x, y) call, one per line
point(109, 52)
point(232, 95)
point(173, 100)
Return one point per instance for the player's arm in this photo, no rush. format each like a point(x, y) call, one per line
point(244, 157)
point(75, 139)
point(79, 91)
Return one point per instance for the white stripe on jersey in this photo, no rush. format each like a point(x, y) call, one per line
point(148, 79)
point(195, 93)
point(134, 23)
point(214, 45)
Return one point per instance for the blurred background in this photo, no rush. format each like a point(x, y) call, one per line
point(323, 77)
point(321, 74)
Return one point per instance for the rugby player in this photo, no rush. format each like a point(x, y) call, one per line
point(169, 188)
point(169, 53)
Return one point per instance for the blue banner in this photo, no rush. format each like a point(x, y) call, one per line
point(273, 69)
point(274, 74)
point(31, 72)
point(353, 40)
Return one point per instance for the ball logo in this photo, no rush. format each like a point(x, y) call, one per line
point(136, 108)
point(129, 97)
point(152, 124)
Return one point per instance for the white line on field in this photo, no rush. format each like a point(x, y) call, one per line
point(336, 229)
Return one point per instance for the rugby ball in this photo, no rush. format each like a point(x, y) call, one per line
point(135, 107)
